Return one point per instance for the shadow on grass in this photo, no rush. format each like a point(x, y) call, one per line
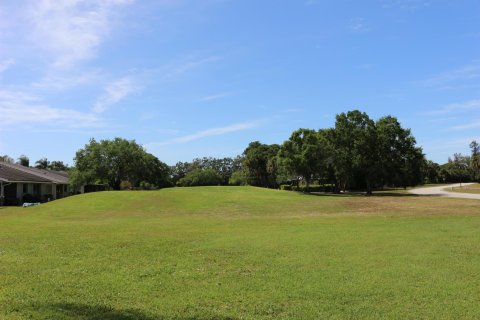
point(89, 312)
point(362, 194)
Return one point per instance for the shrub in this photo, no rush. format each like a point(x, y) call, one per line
point(125, 185)
point(30, 198)
point(147, 186)
point(286, 187)
point(238, 178)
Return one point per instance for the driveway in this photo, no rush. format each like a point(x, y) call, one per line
point(442, 191)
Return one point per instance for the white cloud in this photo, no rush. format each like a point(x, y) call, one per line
point(61, 81)
point(410, 5)
point(114, 93)
point(466, 126)
point(177, 69)
point(451, 78)
point(71, 30)
point(19, 108)
point(4, 65)
point(210, 133)
point(457, 107)
point(454, 144)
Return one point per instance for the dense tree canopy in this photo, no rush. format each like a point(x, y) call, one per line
point(304, 154)
point(355, 149)
point(224, 167)
point(113, 161)
point(200, 177)
point(357, 153)
point(260, 164)
point(23, 160)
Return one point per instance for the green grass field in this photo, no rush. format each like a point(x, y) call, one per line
point(240, 253)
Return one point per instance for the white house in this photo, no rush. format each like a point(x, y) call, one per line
point(20, 184)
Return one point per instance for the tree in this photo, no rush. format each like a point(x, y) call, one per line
point(24, 160)
point(432, 172)
point(400, 161)
point(355, 145)
point(458, 168)
point(6, 159)
point(260, 164)
point(224, 167)
point(304, 154)
point(200, 177)
point(238, 178)
point(114, 161)
point(475, 160)
point(42, 164)
point(58, 166)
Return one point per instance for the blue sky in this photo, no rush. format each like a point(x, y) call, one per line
point(204, 78)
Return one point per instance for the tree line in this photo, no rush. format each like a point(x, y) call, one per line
point(42, 163)
point(357, 153)
point(459, 168)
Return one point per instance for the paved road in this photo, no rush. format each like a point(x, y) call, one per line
point(443, 192)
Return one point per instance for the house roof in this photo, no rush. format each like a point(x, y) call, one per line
point(17, 173)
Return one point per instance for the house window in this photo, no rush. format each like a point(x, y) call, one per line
point(25, 188)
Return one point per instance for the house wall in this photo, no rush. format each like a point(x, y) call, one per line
point(19, 190)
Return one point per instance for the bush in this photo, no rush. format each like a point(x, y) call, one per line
point(199, 177)
point(30, 198)
point(147, 186)
point(238, 178)
point(286, 187)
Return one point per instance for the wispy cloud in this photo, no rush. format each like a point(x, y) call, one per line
point(4, 65)
point(61, 81)
point(71, 30)
point(454, 144)
point(210, 133)
point(456, 107)
point(358, 25)
point(178, 68)
point(410, 5)
point(467, 126)
point(114, 92)
point(215, 96)
point(19, 108)
point(454, 77)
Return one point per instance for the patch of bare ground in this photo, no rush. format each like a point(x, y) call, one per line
point(413, 206)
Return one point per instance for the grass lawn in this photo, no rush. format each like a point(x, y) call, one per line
point(240, 253)
point(471, 188)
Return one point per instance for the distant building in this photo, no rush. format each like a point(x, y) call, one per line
point(19, 184)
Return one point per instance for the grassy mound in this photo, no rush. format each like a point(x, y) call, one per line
point(240, 253)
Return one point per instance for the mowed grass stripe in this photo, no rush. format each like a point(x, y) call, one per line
point(239, 253)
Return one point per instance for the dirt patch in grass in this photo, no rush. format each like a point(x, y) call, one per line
point(413, 206)
point(472, 188)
